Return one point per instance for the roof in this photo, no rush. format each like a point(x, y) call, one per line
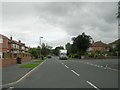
point(114, 42)
point(3, 36)
point(14, 41)
point(99, 44)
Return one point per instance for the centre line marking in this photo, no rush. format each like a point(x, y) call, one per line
point(75, 73)
point(92, 85)
point(66, 66)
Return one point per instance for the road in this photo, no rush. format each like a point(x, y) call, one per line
point(55, 73)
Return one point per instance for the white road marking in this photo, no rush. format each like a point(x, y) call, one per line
point(10, 88)
point(106, 65)
point(75, 73)
point(15, 82)
point(66, 66)
point(99, 66)
point(111, 68)
point(92, 85)
point(105, 68)
point(62, 63)
point(95, 65)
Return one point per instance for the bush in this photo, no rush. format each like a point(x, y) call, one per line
point(89, 54)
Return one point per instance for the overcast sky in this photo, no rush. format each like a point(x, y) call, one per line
point(58, 22)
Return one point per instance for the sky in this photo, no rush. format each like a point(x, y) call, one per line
point(58, 22)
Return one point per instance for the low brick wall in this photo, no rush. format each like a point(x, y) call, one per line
point(8, 62)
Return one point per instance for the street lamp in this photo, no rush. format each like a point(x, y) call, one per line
point(40, 39)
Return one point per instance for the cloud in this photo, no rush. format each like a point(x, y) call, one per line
point(57, 22)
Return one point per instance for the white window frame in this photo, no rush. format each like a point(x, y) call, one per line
point(0, 55)
point(1, 40)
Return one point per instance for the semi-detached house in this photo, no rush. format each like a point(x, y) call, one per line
point(9, 49)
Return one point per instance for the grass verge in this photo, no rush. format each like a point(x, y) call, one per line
point(33, 65)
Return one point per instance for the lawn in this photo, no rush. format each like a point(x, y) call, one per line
point(33, 65)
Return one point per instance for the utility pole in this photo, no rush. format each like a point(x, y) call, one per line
point(40, 39)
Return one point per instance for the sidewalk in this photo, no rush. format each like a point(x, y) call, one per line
point(14, 72)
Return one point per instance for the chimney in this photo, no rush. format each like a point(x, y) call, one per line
point(19, 41)
point(11, 38)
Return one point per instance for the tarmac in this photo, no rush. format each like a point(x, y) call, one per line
point(14, 72)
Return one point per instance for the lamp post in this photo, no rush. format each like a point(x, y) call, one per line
point(40, 39)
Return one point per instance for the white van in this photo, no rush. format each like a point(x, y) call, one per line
point(63, 55)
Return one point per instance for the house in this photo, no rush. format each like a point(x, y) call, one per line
point(114, 47)
point(4, 46)
point(114, 44)
point(9, 49)
point(98, 46)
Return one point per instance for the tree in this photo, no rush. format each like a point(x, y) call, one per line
point(45, 49)
point(118, 47)
point(118, 14)
point(68, 47)
point(81, 43)
point(57, 49)
point(34, 52)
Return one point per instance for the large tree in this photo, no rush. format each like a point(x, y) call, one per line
point(118, 14)
point(57, 49)
point(68, 47)
point(81, 43)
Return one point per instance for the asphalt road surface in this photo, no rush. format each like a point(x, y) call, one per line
point(55, 73)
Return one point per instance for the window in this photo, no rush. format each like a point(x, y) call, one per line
point(0, 55)
point(15, 55)
point(3, 55)
point(1, 40)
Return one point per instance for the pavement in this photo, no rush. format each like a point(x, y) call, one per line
point(14, 72)
point(55, 73)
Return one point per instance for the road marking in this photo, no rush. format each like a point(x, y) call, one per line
point(66, 66)
point(106, 65)
point(105, 68)
point(10, 88)
point(99, 66)
point(92, 85)
point(62, 63)
point(75, 73)
point(111, 68)
point(15, 82)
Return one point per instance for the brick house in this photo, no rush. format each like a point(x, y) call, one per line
point(98, 46)
point(9, 49)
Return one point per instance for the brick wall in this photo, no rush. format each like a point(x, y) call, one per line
point(12, 61)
